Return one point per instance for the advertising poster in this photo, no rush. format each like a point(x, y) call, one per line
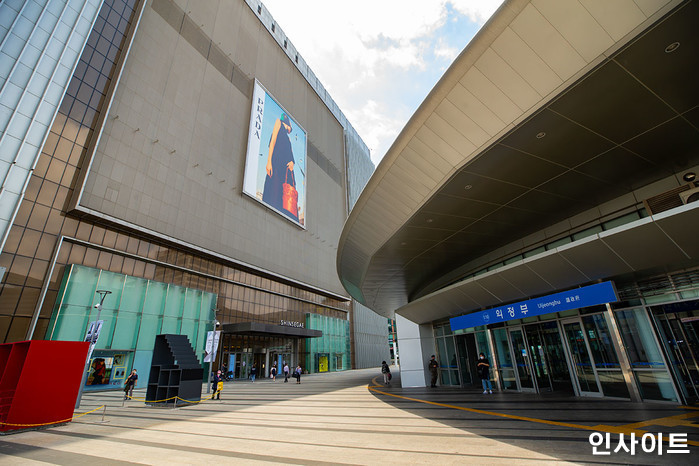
point(275, 165)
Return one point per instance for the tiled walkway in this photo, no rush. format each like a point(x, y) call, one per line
point(345, 418)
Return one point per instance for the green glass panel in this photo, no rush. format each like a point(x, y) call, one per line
point(151, 319)
point(663, 298)
point(113, 282)
point(74, 313)
point(57, 305)
point(129, 317)
point(206, 323)
point(192, 304)
point(174, 305)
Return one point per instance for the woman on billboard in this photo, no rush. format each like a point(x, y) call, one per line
point(280, 171)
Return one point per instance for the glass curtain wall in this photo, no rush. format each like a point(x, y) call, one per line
point(331, 352)
point(134, 312)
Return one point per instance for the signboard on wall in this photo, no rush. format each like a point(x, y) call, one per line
point(592, 295)
point(275, 163)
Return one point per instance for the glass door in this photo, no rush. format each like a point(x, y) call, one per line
point(680, 337)
point(522, 360)
point(585, 374)
point(503, 353)
point(548, 357)
point(538, 358)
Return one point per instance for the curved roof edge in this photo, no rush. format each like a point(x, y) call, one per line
point(393, 195)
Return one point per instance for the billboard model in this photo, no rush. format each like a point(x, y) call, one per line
point(275, 165)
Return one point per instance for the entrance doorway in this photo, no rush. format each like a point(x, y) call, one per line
point(466, 349)
point(548, 357)
point(520, 350)
point(259, 360)
point(680, 332)
point(586, 378)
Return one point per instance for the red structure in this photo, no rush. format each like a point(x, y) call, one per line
point(39, 382)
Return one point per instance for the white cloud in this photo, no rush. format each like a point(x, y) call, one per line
point(372, 57)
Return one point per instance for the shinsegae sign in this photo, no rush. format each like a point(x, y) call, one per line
point(591, 295)
point(288, 323)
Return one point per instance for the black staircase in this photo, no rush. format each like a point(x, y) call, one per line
point(175, 372)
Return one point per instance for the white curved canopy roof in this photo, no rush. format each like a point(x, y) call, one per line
point(592, 76)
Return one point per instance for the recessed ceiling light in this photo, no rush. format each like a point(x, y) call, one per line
point(541, 135)
point(403, 243)
point(468, 186)
point(429, 220)
point(689, 176)
point(672, 47)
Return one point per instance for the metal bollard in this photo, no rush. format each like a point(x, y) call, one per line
point(104, 411)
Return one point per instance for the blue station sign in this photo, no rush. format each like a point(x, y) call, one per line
point(600, 293)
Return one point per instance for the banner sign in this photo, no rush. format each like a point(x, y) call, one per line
point(592, 295)
point(92, 335)
point(211, 345)
point(275, 163)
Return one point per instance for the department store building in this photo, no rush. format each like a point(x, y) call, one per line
point(135, 139)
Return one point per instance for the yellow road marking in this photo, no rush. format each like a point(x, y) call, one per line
point(669, 421)
point(625, 429)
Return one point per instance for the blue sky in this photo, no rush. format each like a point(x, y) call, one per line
point(379, 60)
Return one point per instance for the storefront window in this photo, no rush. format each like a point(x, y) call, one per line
point(644, 354)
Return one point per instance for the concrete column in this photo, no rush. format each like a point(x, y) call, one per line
point(416, 344)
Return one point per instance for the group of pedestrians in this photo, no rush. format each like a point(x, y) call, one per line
point(218, 377)
point(482, 369)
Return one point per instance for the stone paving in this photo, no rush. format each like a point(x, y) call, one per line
point(339, 418)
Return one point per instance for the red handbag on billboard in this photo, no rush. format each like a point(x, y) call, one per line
point(290, 197)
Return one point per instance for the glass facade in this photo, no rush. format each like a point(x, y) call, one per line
point(659, 342)
point(134, 312)
point(332, 351)
point(41, 218)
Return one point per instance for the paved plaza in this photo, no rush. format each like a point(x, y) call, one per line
point(350, 418)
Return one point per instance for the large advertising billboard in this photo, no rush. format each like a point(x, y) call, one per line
point(275, 165)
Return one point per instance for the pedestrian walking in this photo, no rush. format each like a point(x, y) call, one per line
point(483, 369)
point(253, 372)
point(217, 385)
point(433, 366)
point(297, 373)
point(286, 372)
point(130, 384)
point(273, 373)
point(386, 371)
